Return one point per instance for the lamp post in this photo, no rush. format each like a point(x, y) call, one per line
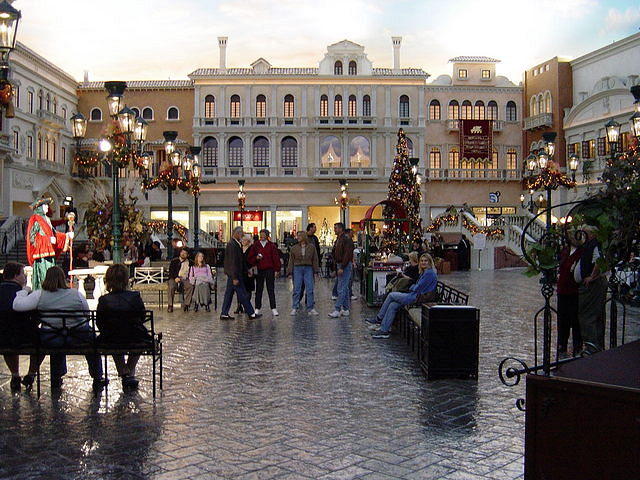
point(174, 163)
point(196, 173)
point(242, 199)
point(9, 20)
point(343, 201)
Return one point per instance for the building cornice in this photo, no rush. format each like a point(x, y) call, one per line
point(25, 51)
point(621, 45)
point(516, 89)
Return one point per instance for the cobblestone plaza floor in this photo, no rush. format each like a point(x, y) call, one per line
point(291, 397)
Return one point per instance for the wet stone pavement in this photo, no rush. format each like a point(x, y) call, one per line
point(290, 397)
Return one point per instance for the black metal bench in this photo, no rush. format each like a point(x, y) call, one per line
point(80, 324)
point(409, 326)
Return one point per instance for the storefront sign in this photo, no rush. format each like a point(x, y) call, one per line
point(247, 216)
point(476, 138)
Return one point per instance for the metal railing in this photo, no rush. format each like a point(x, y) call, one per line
point(540, 120)
point(11, 232)
point(503, 174)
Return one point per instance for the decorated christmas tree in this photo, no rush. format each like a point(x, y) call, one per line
point(404, 188)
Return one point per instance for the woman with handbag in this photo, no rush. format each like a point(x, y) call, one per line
point(201, 278)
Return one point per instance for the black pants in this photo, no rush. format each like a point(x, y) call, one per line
point(567, 322)
point(269, 276)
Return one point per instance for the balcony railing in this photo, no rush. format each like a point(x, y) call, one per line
point(51, 118)
point(484, 174)
point(454, 125)
point(49, 166)
point(345, 122)
point(538, 121)
point(345, 172)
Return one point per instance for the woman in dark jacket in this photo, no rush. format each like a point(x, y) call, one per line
point(120, 317)
point(248, 278)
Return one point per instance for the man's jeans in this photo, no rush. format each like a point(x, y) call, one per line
point(303, 275)
point(390, 307)
point(243, 297)
point(344, 283)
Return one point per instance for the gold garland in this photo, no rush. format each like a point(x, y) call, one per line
point(160, 226)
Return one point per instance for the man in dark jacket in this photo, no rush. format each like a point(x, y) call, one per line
point(234, 266)
point(179, 276)
point(264, 255)
point(343, 258)
point(15, 327)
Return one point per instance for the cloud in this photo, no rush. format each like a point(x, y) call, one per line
point(621, 22)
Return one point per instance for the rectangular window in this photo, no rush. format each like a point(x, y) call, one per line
point(462, 73)
point(29, 146)
point(337, 108)
point(235, 110)
point(288, 109)
point(486, 74)
point(366, 107)
point(435, 160)
point(602, 147)
point(260, 156)
point(434, 111)
point(324, 107)
point(16, 90)
point(16, 140)
point(454, 111)
point(512, 159)
point(466, 112)
point(353, 108)
point(30, 100)
point(261, 109)
point(63, 153)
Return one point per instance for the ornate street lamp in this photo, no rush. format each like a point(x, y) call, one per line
point(9, 20)
point(195, 172)
point(78, 127)
point(242, 200)
point(613, 135)
point(343, 201)
point(574, 161)
point(115, 93)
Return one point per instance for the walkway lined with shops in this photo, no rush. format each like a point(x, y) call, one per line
point(304, 397)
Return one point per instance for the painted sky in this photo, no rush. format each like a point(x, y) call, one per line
point(159, 39)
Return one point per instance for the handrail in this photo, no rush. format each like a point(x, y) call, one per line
point(11, 232)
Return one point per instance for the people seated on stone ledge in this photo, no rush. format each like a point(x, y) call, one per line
point(16, 328)
point(422, 291)
point(179, 279)
point(120, 317)
point(54, 296)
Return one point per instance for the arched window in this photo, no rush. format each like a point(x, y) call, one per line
point(512, 159)
point(478, 110)
point(512, 111)
point(48, 102)
point(289, 152)
point(492, 110)
point(366, 106)
point(403, 107)
point(494, 160)
point(55, 106)
point(337, 106)
point(435, 160)
point(454, 158)
point(337, 68)
point(210, 152)
point(409, 147)
point(261, 106)
point(360, 152)
point(288, 106)
point(353, 106)
point(353, 68)
point(260, 152)
point(434, 110)
point(147, 113)
point(324, 106)
point(466, 111)
point(533, 106)
point(173, 113)
point(209, 106)
point(40, 100)
point(235, 155)
point(136, 110)
point(454, 110)
point(234, 105)
point(330, 152)
point(547, 102)
point(95, 115)
point(541, 104)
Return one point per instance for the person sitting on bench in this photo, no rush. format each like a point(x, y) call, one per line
point(55, 296)
point(422, 291)
point(120, 316)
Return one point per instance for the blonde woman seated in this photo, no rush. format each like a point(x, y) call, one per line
point(201, 278)
point(303, 264)
point(424, 287)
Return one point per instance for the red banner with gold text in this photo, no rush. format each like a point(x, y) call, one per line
point(476, 140)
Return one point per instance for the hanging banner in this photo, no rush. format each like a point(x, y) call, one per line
point(247, 216)
point(476, 140)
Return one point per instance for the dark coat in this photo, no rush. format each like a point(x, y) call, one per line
point(120, 317)
point(270, 256)
point(174, 267)
point(16, 328)
point(343, 251)
point(234, 261)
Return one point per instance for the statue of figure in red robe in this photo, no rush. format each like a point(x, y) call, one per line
point(44, 244)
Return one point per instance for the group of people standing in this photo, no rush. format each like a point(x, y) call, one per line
point(248, 263)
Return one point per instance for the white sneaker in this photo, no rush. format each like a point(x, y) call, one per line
point(257, 311)
point(334, 314)
point(345, 313)
point(293, 312)
point(274, 312)
point(333, 297)
point(313, 311)
point(354, 297)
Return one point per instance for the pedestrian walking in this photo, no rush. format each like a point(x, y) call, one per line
point(248, 272)
point(303, 265)
point(343, 258)
point(234, 267)
point(265, 257)
point(568, 299)
point(313, 240)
